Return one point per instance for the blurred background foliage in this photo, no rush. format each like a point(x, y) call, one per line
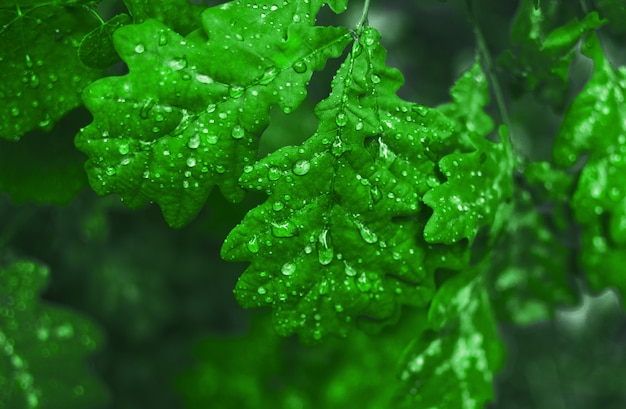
point(174, 336)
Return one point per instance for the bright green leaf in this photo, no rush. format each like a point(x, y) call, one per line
point(479, 180)
point(33, 43)
point(340, 234)
point(179, 122)
point(42, 348)
point(96, 48)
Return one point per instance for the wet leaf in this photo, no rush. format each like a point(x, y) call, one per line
point(179, 122)
point(454, 367)
point(595, 124)
point(96, 48)
point(340, 235)
point(38, 52)
point(479, 180)
point(43, 347)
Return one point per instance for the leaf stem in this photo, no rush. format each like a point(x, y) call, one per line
point(363, 21)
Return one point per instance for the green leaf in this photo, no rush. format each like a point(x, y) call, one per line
point(38, 52)
point(182, 16)
point(96, 48)
point(179, 122)
point(595, 124)
point(43, 167)
point(43, 347)
point(479, 180)
point(340, 235)
point(454, 368)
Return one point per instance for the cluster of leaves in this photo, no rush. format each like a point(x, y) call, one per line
point(392, 214)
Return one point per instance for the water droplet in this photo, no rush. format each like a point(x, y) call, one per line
point(273, 173)
point(191, 162)
point(288, 269)
point(253, 245)
point(278, 206)
point(212, 139)
point(235, 91)
point(15, 111)
point(341, 119)
point(29, 61)
point(375, 78)
point(269, 75)
point(363, 283)
point(366, 234)
point(139, 48)
point(238, 132)
point(325, 249)
point(285, 229)
point(123, 149)
point(178, 64)
point(301, 167)
point(163, 38)
point(368, 37)
point(144, 112)
point(194, 142)
point(358, 126)
point(299, 66)
point(110, 171)
point(421, 110)
point(34, 81)
point(211, 108)
point(261, 290)
point(349, 270)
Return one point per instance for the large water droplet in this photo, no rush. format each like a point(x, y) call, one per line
point(110, 171)
point(363, 283)
point(144, 112)
point(278, 206)
point(212, 139)
point(325, 249)
point(191, 162)
point(288, 269)
point(349, 270)
point(194, 142)
point(238, 132)
point(301, 167)
point(235, 91)
point(178, 64)
point(299, 66)
point(123, 149)
point(341, 119)
point(366, 234)
point(273, 173)
point(139, 48)
point(284, 229)
point(253, 245)
point(269, 75)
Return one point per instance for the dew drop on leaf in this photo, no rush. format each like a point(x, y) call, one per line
point(375, 78)
point(194, 142)
point(288, 269)
point(123, 149)
point(15, 111)
point(363, 283)
point(191, 162)
point(212, 139)
point(349, 270)
point(110, 171)
point(284, 229)
point(325, 250)
point(236, 91)
point(237, 132)
point(139, 48)
point(273, 173)
point(144, 112)
point(366, 234)
point(341, 119)
point(163, 38)
point(253, 245)
point(261, 290)
point(278, 206)
point(301, 167)
point(299, 67)
point(211, 108)
point(269, 75)
point(178, 64)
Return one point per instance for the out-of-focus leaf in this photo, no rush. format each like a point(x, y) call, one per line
point(96, 48)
